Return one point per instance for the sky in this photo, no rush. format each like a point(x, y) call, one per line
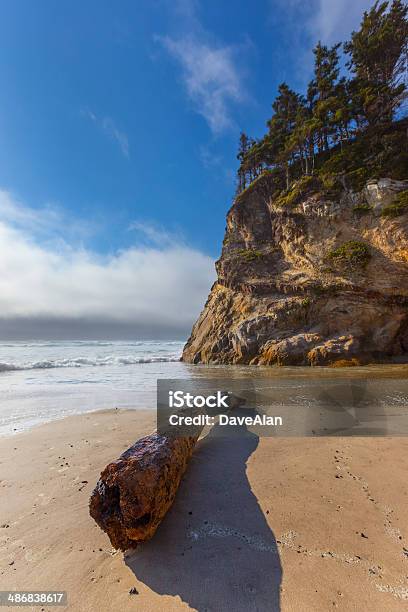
point(119, 124)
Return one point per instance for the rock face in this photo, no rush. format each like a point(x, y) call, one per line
point(318, 282)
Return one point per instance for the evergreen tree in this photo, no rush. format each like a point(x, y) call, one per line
point(305, 135)
point(282, 125)
point(343, 113)
point(244, 146)
point(336, 110)
point(378, 59)
point(323, 89)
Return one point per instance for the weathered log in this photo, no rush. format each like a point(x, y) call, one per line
point(134, 492)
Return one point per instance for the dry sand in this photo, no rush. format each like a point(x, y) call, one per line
point(289, 524)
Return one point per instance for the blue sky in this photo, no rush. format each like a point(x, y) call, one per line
point(119, 121)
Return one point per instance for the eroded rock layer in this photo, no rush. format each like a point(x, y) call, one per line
point(321, 281)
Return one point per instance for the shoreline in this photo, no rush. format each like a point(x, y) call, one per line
point(330, 511)
point(66, 418)
point(48, 401)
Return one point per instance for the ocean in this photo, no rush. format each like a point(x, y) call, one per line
point(44, 381)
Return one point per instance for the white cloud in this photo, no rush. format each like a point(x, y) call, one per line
point(155, 234)
point(48, 223)
point(210, 76)
point(334, 21)
point(16, 214)
point(121, 138)
point(304, 23)
point(330, 21)
point(108, 126)
point(144, 286)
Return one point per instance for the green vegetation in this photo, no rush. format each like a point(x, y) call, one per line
point(357, 178)
point(398, 207)
point(362, 209)
point(263, 182)
point(342, 131)
point(353, 253)
point(250, 254)
point(306, 184)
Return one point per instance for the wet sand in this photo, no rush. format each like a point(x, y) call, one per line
point(258, 524)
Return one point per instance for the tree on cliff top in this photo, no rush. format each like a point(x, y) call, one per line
point(282, 125)
point(305, 129)
point(378, 59)
point(322, 92)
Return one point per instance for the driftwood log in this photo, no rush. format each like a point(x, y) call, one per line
point(134, 492)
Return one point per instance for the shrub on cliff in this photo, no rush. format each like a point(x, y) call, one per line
point(353, 253)
point(249, 254)
point(398, 207)
point(298, 191)
point(362, 209)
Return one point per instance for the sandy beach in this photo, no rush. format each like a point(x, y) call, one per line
point(261, 524)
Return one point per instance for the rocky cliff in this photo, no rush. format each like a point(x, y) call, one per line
point(313, 278)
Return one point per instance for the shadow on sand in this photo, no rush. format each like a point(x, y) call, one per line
point(214, 548)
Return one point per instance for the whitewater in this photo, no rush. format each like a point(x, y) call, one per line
point(43, 381)
point(46, 381)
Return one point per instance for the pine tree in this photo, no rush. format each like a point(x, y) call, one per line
point(323, 89)
point(344, 112)
point(244, 146)
point(335, 111)
point(378, 59)
point(282, 125)
point(305, 135)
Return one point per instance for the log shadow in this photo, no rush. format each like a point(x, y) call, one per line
point(214, 548)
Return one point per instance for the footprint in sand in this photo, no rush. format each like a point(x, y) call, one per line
point(45, 499)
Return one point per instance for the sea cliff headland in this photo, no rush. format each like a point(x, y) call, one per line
point(322, 281)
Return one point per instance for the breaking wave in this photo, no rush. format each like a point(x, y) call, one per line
point(79, 362)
